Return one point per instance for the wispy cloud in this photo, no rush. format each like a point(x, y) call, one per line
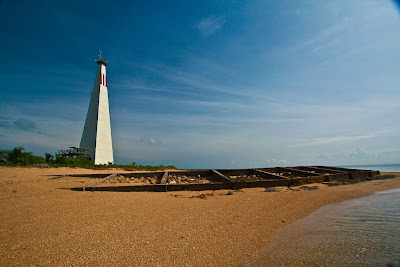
point(388, 131)
point(139, 86)
point(25, 124)
point(356, 154)
point(210, 25)
point(19, 124)
point(389, 150)
point(359, 156)
point(328, 35)
point(334, 139)
point(195, 80)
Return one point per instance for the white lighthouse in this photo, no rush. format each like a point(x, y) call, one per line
point(96, 134)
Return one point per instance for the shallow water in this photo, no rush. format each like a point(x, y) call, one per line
point(358, 232)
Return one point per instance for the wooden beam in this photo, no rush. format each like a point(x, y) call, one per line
point(100, 181)
point(221, 176)
point(341, 169)
point(235, 172)
point(320, 169)
point(264, 174)
point(298, 172)
point(88, 175)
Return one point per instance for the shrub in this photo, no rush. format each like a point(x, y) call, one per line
point(49, 157)
point(29, 159)
point(79, 162)
point(59, 159)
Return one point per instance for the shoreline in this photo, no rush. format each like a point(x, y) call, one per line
point(352, 232)
point(41, 223)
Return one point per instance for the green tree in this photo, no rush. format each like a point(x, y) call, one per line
point(3, 155)
point(18, 156)
point(15, 154)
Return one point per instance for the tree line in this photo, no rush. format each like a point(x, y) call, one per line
point(19, 157)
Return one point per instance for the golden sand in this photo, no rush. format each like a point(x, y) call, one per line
point(44, 224)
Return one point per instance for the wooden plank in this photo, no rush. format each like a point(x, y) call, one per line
point(164, 178)
point(320, 169)
point(130, 188)
point(221, 176)
point(189, 187)
point(262, 183)
point(144, 174)
point(339, 176)
point(100, 181)
point(88, 175)
point(190, 173)
point(361, 174)
point(375, 173)
point(310, 180)
point(235, 172)
point(341, 169)
point(298, 172)
point(264, 174)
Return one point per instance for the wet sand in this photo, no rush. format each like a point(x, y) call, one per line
point(357, 232)
point(44, 224)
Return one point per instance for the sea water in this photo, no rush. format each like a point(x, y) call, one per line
point(379, 167)
point(358, 232)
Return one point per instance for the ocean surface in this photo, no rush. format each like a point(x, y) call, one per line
point(358, 232)
point(378, 167)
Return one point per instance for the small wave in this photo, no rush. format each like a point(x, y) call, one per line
point(391, 191)
point(362, 231)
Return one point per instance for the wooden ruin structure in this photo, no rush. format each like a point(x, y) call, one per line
point(197, 180)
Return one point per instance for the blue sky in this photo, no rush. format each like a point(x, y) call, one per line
point(207, 84)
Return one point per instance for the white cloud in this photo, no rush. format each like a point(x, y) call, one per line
point(357, 156)
point(150, 140)
point(276, 162)
point(210, 25)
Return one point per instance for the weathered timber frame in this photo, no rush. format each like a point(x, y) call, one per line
point(221, 178)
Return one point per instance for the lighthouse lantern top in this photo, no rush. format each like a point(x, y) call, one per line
point(100, 59)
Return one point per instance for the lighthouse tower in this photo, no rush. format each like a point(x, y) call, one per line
point(96, 134)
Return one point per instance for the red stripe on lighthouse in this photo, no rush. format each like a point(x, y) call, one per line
point(100, 77)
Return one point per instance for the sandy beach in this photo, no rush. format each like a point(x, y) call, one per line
point(42, 223)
